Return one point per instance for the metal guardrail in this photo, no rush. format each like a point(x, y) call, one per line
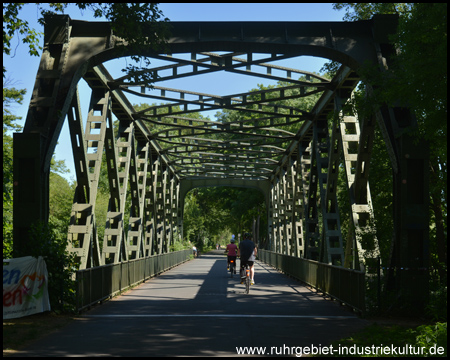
point(345, 285)
point(103, 282)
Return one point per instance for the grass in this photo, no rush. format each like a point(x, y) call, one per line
point(407, 340)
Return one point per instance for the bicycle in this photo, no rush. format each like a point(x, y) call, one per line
point(246, 278)
point(232, 266)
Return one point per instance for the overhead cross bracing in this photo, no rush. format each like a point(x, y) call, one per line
point(186, 141)
point(257, 147)
point(209, 149)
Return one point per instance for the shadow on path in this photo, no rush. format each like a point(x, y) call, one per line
point(196, 309)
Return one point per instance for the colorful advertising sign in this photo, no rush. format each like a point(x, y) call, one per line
point(25, 287)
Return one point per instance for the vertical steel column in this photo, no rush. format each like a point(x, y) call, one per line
point(309, 177)
point(168, 209)
point(138, 180)
point(277, 213)
point(357, 148)
point(159, 205)
point(289, 198)
point(274, 216)
point(174, 204)
point(118, 156)
point(409, 155)
point(270, 218)
point(297, 214)
point(331, 250)
point(87, 151)
point(150, 204)
point(320, 139)
point(409, 261)
point(284, 236)
point(332, 222)
point(180, 211)
point(165, 208)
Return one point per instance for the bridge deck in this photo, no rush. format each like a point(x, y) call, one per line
point(197, 309)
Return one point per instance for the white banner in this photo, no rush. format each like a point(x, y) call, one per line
point(25, 287)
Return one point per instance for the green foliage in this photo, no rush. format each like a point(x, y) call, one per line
point(428, 336)
point(437, 305)
point(12, 24)
point(142, 26)
point(180, 245)
point(11, 96)
point(424, 336)
point(51, 240)
point(217, 212)
point(48, 241)
point(61, 198)
point(365, 11)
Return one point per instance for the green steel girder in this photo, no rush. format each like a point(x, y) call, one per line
point(163, 154)
point(222, 62)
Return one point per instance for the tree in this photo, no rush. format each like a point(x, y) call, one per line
point(417, 78)
point(214, 213)
point(140, 25)
point(11, 96)
point(365, 11)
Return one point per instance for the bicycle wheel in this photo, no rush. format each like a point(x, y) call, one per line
point(231, 269)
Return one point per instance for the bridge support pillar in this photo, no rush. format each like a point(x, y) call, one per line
point(408, 273)
point(31, 189)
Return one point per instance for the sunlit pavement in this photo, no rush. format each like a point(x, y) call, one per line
point(197, 309)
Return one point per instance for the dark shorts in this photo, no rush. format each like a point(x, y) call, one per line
point(232, 258)
point(245, 262)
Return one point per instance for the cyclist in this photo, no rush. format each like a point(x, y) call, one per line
point(231, 250)
point(247, 252)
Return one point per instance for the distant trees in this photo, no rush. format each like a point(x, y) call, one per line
point(212, 214)
point(11, 96)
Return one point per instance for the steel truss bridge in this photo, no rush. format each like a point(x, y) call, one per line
point(161, 152)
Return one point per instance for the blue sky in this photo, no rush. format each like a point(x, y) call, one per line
point(22, 68)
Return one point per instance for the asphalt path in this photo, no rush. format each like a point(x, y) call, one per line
point(197, 309)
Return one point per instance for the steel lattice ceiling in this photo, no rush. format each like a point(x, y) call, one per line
point(263, 126)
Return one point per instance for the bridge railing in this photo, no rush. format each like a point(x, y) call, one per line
point(345, 285)
point(102, 282)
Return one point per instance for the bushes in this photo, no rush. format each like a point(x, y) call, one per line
point(431, 335)
point(420, 341)
point(50, 243)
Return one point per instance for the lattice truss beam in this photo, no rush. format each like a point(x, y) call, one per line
point(266, 138)
point(198, 147)
point(154, 192)
point(266, 141)
point(257, 147)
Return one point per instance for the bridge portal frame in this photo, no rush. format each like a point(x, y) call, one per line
point(75, 49)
